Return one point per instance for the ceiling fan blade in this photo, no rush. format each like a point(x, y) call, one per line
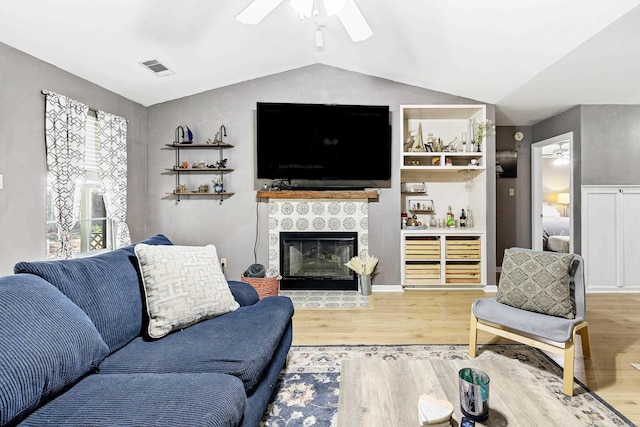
point(257, 11)
point(354, 22)
point(331, 7)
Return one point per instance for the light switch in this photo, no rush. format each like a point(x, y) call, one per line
point(512, 192)
point(1, 182)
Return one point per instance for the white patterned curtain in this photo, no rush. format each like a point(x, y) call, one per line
point(65, 137)
point(112, 169)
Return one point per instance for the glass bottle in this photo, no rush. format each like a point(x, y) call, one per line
point(463, 219)
point(469, 218)
point(451, 220)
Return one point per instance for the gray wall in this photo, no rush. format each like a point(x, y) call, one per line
point(232, 226)
point(610, 144)
point(567, 121)
point(513, 213)
point(22, 151)
point(606, 148)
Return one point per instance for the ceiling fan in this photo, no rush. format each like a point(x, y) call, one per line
point(560, 154)
point(348, 13)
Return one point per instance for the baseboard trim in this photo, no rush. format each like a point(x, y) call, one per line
point(387, 288)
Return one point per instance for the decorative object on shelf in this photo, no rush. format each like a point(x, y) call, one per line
point(408, 144)
point(464, 142)
point(414, 187)
point(217, 184)
point(221, 164)
point(418, 143)
point(451, 220)
point(435, 161)
point(217, 140)
point(469, 218)
point(451, 147)
point(421, 205)
point(183, 135)
point(203, 188)
point(431, 143)
point(185, 165)
point(363, 266)
point(481, 129)
point(182, 188)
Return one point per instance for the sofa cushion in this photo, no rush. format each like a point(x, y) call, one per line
point(158, 400)
point(46, 344)
point(537, 281)
point(105, 286)
point(182, 286)
point(240, 343)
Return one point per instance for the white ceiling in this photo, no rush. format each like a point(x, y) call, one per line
point(532, 59)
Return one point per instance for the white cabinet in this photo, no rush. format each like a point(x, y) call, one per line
point(431, 181)
point(611, 237)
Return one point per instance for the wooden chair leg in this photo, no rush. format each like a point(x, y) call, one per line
point(473, 335)
point(569, 362)
point(584, 337)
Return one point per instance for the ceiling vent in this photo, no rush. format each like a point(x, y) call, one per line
point(156, 68)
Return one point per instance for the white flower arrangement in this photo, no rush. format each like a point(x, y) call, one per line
point(363, 264)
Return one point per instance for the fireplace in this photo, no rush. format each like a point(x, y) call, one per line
point(315, 260)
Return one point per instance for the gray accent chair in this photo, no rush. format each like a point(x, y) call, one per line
point(550, 333)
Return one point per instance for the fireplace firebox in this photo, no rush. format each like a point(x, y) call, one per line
point(315, 261)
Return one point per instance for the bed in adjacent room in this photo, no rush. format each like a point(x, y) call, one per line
point(555, 230)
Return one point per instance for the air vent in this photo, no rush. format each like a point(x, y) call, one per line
point(156, 68)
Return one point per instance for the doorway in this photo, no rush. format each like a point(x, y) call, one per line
point(552, 194)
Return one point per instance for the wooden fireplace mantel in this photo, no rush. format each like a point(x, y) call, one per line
point(318, 194)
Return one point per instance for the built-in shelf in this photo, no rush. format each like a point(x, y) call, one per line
point(318, 194)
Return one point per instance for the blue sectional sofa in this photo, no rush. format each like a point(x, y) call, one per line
point(74, 352)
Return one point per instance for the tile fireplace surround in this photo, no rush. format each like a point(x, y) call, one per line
point(316, 214)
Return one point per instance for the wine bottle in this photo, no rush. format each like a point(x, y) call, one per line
point(463, 219)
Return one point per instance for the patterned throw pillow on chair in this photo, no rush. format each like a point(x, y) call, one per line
point(182, 286)
point(537, 281)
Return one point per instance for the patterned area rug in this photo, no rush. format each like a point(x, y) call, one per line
point(307, 392)
point(327, 299)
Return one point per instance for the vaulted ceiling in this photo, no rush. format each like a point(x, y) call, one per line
point(532, 59)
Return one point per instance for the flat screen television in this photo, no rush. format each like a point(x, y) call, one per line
point(323, 142)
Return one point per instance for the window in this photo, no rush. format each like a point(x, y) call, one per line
point(92, 232)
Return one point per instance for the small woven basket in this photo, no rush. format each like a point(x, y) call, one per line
point(265, 286)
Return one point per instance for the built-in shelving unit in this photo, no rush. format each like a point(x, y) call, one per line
point(198, 168)
point(434, 256)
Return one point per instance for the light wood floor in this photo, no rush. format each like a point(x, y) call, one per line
point(442, 317)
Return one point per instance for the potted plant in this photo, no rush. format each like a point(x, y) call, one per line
point(217, 184)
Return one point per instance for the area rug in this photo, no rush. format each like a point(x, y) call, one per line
point(327, 299)
point(307, 391)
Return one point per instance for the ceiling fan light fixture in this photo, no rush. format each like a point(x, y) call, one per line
point(257, 11)
point(319, 38)
point(332, 7)
point(561, 161)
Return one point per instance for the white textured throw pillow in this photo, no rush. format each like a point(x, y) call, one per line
point(183, 285)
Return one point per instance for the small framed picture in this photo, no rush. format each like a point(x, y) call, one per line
point(421, 205)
